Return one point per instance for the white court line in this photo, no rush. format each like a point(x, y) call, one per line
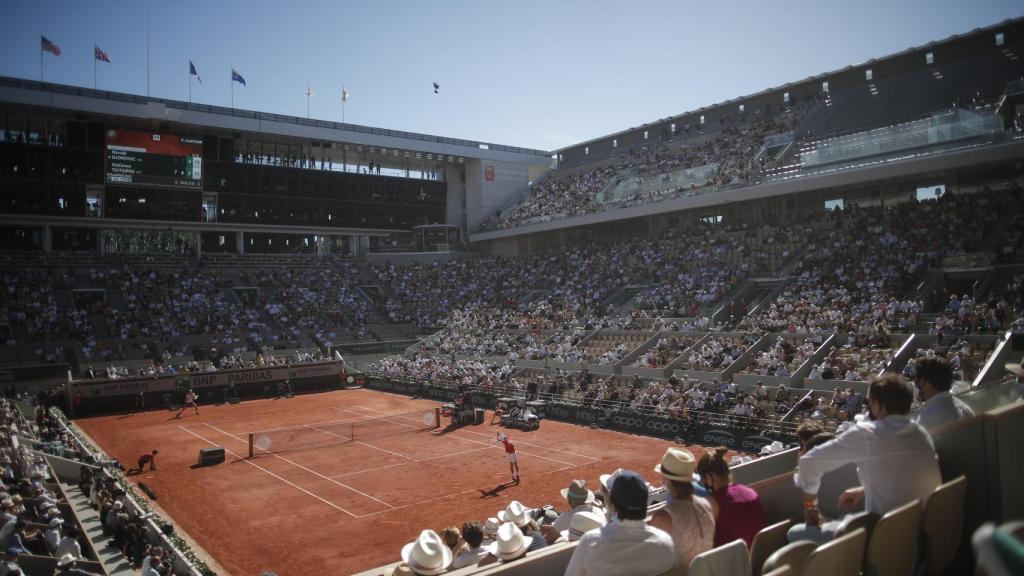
point(488, 436)
point(491, 444)
point(296, 464)
point(538, 446)
point(364, 444)
point(407, 463)
point(292, 484)
point(300, 426)
point(571, 466)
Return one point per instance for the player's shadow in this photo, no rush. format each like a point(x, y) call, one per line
point(494, 492)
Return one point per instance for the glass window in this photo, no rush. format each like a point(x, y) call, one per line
point(930, 192)
point(586, 151)
point(673, 127)
point(929, 58)
point(615, 142)
point(785, 97)
point(701, 119)
point(645, 134)
point(824, 87)
point(1000, 39)
point(869, 74)
point(742, 108)
point(836, 204)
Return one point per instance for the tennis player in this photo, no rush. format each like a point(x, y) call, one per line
point(510, 451)
point(190, 400)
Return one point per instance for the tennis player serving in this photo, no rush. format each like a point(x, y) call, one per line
point(510, 451)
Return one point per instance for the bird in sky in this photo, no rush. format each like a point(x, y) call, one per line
point(436, 87)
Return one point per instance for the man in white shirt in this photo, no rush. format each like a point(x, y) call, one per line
point(933, 377)
point(69, 544)
point(895, 457)
point(627, 545)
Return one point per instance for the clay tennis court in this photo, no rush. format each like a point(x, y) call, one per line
point(349, 504)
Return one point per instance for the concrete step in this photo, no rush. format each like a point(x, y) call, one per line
point(114, 563)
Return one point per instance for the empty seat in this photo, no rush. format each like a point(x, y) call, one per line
point(793, 555)
point(843, 556)
point(892, 548)
point(731, 558)
point(942, 524)
point(765, 543)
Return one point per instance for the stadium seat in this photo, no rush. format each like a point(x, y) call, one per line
point(942, 524)
point(766, 542)
point(865, 520)
point(840, 557)
point(731, 558)
point(794, 555)
point(892, 548)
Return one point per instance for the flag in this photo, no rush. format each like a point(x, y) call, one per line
point(101, 55)
point(192, 71)
point(309, 91)
point(48, 46)
point(344, 95)
point(236, 77)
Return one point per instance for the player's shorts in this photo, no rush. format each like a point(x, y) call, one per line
point(512, 457)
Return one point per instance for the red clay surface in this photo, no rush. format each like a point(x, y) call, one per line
point(350, 506)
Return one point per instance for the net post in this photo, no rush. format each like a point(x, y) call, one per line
point(437, 417)
point(250, 445)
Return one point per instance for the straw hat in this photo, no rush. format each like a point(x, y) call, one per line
point(677, 464)
point(516, 513)
point(607, 479)
point(428, 554)
point(577, 491)
point(66, 560)
point(582, 522)
point(491, 527)
point(511, 543)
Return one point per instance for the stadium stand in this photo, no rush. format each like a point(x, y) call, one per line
point(755, 314)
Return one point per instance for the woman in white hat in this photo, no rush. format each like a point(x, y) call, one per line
point(427, 555)
point(688, 518)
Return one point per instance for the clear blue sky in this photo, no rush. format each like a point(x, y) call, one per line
point(542, 74)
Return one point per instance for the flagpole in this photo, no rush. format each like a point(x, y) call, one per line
point(147, 48)
point(343, 100)
point(40, 57)
point(307, 98)
point(190, 81)
point(93, 66)
point(232, 88)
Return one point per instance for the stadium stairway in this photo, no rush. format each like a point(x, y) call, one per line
point(114, 563)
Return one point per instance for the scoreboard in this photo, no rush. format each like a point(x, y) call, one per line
point(135, 157)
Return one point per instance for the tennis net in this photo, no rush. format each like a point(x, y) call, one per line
point(320, 434)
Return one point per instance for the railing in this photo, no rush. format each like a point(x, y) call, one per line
point(185, 560)
point(131, 98)
point(610, 407)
